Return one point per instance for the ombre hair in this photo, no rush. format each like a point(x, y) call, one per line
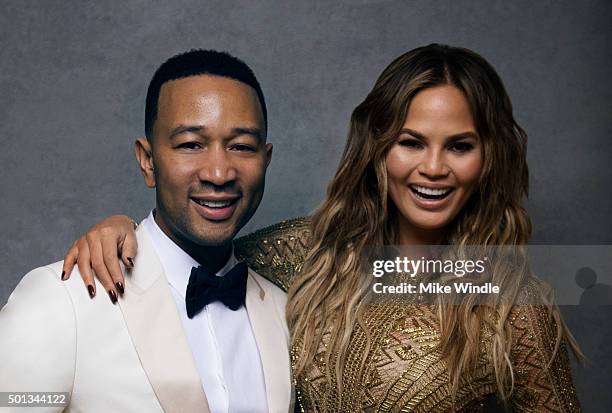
point(328, 295)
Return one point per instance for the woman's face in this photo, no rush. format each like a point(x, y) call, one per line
point(434, 165)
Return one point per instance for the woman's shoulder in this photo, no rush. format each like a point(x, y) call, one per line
point(533, 315)
point(539, 351)
point(277, 251)
point(535, 321)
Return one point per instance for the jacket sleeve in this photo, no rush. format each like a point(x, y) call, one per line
point(37, 337)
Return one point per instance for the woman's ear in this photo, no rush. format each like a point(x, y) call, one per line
point(144, 156)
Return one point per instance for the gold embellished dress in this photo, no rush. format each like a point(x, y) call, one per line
point(404, 369)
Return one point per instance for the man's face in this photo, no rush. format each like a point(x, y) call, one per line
point(207, 159)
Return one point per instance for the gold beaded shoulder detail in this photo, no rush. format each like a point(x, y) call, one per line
point(276, 252)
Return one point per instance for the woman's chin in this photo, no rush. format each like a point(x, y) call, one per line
point(431, 226)
point(423, 225)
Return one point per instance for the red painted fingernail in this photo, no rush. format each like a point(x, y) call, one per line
point(91, 291)
point(113, 296)
point(130, 261)
point(119, 285)
point(63, 274)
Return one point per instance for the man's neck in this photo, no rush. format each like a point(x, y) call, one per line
point(213, 258)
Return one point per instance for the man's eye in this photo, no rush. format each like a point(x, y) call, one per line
point(244, 148)
point(189, 145)
point(461, 147)
point(411, 143)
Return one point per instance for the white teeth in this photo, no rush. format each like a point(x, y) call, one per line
point(214, 204)
point(431, 191)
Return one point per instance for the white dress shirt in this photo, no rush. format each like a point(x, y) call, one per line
point(221, 340)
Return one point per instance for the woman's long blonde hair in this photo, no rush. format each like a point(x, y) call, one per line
point(328, 294)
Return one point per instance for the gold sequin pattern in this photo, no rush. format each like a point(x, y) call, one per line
point(401, 369)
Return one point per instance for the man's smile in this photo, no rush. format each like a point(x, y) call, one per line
point(216, 208)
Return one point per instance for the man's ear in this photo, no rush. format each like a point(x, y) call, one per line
point(144, 156)
point(269, 148)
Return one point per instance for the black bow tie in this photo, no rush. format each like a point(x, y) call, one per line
point(205, 287)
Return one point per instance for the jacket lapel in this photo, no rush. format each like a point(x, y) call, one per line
point(272, 340)
point(154, 325)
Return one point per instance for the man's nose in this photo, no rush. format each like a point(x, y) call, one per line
point(433, 164)
point(218, 169)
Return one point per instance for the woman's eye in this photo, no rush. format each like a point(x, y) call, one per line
point(411, 143)
point(461, 147)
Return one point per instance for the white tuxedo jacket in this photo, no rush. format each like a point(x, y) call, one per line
point(129, 357)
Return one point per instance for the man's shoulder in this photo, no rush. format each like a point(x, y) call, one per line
point(45, 285)
point(38, 336)
point(40, 299)
point(42, 280)
point(276, 252)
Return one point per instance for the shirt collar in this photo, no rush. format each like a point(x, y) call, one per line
point(176, 262)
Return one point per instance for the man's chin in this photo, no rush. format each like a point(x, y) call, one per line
point(209, 233)
point(214, 237)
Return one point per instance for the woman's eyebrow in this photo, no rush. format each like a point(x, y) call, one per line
point(413, 133)
point(454, 137)
point(463, 135)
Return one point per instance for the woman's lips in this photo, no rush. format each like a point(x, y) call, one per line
point(215, 210)
point(431, 198)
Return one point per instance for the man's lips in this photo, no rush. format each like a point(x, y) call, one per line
point(215, 208)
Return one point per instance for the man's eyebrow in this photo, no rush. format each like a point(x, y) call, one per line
point(186, 128)
point(257, 133)
point(454, 137)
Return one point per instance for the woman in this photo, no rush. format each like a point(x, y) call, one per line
point(433, 156)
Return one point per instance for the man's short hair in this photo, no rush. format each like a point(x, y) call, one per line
point(199, 62)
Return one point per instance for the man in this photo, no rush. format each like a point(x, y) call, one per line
point(196, 330)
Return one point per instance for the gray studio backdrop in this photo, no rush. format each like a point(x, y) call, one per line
point(73, 77)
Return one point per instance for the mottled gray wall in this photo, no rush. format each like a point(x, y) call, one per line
point(73, 77)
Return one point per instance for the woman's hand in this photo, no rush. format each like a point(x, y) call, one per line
point(100, 250)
